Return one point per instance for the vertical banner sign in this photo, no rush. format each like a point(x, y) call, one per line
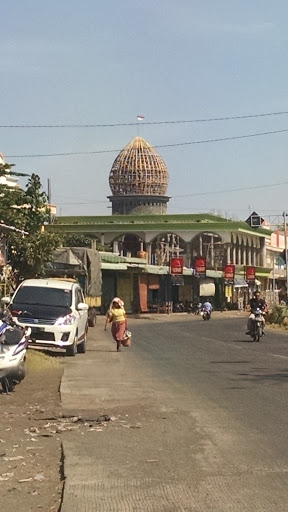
point(250, 274)
point(229, 274)
point(176, 266)
point(200, 267)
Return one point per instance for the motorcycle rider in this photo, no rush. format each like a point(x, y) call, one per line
point(256, 303)
point(208, 306)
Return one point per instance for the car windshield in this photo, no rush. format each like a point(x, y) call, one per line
point(58, 297)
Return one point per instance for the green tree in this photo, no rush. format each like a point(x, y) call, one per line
point(28, 211)
point(71, 240)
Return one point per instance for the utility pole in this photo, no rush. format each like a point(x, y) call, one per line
point(274, 284)
point(49, 200)
point(285, 239)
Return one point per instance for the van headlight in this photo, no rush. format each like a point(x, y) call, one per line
point(66, 320)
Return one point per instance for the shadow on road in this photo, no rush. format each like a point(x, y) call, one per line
point(274, 378)
point(229, 362)
point(243, 340)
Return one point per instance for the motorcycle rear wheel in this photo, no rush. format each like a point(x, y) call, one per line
point(258, 334)
point(8, 385)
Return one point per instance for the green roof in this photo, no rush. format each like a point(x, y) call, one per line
point(132, 223)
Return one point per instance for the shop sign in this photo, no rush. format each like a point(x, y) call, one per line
point(228, 292)
point(176, 266)
point(200, 267)
point(229, 274)
point(250, 275)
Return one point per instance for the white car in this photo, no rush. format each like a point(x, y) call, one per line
point(55, 311)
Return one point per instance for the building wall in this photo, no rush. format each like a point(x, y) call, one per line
point(139, 205)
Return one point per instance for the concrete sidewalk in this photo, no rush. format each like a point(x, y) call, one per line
point(137, 462)
point(173, 444)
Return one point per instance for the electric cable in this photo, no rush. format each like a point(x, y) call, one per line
point(204, 141)
point(181, 121)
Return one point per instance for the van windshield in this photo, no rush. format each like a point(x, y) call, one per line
point(43, 296)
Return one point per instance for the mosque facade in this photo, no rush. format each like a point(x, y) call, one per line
point(141, 229)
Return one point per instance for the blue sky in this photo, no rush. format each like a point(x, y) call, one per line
point(105, 62)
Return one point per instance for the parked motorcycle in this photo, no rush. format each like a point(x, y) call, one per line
point(183, 307)
point(188, 306)
point(257, 325)
point(197, 308)
point(179, 307)
point(206, 314)
point(13, 344)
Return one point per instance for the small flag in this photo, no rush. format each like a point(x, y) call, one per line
point(140, 118)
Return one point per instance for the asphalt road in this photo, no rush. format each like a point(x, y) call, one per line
point(200, 419)
point(218, 361)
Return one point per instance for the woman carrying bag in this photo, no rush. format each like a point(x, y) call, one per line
point(116, 315)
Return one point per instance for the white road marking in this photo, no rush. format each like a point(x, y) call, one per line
point(278, 355)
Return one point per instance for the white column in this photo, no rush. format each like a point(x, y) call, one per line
point(263, 252)
point(188, 255)
point(115, 247)
point(228, 254)
point(212, 251)
point(249, 255)
point(239, 255)
point(255, 256)
point(149, 251)
point(234, 255)
point(244, 256)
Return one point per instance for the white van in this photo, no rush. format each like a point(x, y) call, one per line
point(55, 311)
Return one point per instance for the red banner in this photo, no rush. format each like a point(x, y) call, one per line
point(229, 273)
point(200, 267)
point(250, 274)
point(176, 266)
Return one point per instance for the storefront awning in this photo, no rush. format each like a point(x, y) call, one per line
point(240, 283)
point(113, 266)
point(206, 287)
point(216, 274)
point(154, 269)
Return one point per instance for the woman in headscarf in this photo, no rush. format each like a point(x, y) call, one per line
point(116, 315)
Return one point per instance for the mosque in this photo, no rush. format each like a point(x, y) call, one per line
point(142, 237)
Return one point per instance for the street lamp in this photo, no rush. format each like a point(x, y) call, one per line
point(285, 240)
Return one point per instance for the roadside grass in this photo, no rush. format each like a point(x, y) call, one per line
point(278, 317)
point(38, 361)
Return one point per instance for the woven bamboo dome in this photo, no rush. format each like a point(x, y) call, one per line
point(139, 170)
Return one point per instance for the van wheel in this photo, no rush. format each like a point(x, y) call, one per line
point(71, 351)
point(81, 348)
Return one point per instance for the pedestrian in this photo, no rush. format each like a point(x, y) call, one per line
point(116, 315)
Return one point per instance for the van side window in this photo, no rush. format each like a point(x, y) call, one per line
point(79, 297)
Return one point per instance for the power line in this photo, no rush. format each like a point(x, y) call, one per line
point(233, 190)
point(205, 141)
point(113, 125)
point(84, 202)
point(197, 194)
